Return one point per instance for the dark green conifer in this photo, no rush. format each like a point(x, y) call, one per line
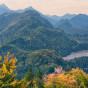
point(39, 80)
point(29, 77)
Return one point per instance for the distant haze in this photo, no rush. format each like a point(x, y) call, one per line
point(52, 7)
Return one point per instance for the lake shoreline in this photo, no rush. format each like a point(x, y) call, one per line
point(78, 54)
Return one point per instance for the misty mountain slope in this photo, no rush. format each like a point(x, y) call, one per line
point(68, 16)
point(53, 19)
point(79, 20)
point(61, 21)
point(50, 19)
point(67, 27)
point(4, 9)
point(84, 27)
point(56, 19)
point(77, 24)
point(23, 10)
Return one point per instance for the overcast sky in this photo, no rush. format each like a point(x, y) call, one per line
point(52, 7)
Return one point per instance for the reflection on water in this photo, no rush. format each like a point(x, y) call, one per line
point(76, 54)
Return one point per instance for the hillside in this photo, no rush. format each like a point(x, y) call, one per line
point(44, 60)
point(81, 62)
point(24, 22)
point(6, 19)
point(79, 20)
point(67, 27)
point(78, 24)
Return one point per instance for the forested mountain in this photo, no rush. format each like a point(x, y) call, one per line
point(23, 10)
point(77, 24)
point(23, 23)
point(68, 16)
point(55, 20)
point(79, 20)
point(67, 27)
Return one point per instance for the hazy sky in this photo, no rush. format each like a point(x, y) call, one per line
point(52, 7)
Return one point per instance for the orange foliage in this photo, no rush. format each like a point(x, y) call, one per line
point(68, 80)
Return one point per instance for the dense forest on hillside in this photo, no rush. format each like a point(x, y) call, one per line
point(81, 62)
point(81, 38)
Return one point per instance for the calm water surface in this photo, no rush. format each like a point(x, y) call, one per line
point(76, 54)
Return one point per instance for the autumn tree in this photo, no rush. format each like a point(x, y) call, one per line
point(75, 78)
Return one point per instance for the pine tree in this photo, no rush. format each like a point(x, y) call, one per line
point(39, 80)
point(29, 77)
point(39, 75)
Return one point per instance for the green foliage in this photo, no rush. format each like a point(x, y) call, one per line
point(29, 77)
point(81, 62)
point(39, 75)
point(38, 82)
point(44, 60)
point(68, 68)
point(6, 19)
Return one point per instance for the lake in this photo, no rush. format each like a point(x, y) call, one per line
point(76, 54)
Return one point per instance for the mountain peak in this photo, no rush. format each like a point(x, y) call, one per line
point(30, 8)
point(4, 6)
point(68, 16)
point(82, 14)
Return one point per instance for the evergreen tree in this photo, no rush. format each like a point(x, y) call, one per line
point(39, 75)
point(29, 77)
point(39, 80)
point(68, 68)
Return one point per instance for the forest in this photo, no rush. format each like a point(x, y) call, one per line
point(71, 78)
